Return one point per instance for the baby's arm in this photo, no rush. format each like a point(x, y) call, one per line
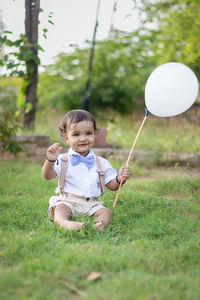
point(52, 153)
point(123, 172)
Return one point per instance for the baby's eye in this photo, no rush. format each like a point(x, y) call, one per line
point(89, 132)
point(75, 134)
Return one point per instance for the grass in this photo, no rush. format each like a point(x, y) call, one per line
point(149, 251)
point(177, 134)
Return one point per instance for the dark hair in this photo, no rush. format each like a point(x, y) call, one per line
point(75, 116)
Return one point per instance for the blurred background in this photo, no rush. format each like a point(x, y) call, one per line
point(95, 55)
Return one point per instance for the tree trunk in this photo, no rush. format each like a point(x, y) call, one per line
point(85, 103)
point(32, 8)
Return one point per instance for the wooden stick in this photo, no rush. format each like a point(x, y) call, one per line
point(129, 157)
point(119, 188)
point(133, 146)
point(72, 288)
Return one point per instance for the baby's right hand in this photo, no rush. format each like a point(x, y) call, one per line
point(53, 151)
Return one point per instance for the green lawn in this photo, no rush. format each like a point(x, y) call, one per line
point(150, 250)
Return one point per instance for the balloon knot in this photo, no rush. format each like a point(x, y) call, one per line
point(147, 112)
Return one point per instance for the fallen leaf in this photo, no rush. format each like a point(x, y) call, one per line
point(94, 276)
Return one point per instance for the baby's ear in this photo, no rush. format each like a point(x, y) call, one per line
point(65, 137)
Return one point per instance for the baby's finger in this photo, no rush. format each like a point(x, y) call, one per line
point(60, 149)
point(125, 170)
point(126, 173)
point(50, 149)
point(55, 147)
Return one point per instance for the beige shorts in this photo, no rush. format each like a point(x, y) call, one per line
point(78, 205)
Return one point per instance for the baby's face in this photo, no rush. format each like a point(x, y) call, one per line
point(81, 136)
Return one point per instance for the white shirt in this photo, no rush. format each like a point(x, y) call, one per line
point(82, 181)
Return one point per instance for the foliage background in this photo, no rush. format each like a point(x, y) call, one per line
point(121, 66)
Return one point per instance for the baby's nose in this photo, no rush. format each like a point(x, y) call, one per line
point(83, 137)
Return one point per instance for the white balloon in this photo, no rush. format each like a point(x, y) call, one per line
point(170, 90)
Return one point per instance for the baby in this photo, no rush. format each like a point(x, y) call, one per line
point(83, 175)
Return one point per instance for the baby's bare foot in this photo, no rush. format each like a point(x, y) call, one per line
point(100, 226)
point(70, 225)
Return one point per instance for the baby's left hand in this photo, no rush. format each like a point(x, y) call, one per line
point(124, 172)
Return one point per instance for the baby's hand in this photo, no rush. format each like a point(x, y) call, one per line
point(53, 151)
point(124, 172)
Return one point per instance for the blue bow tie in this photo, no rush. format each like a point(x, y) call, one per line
point(76, 159)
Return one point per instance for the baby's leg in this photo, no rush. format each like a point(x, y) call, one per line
point(62, 213)
point(103, 217)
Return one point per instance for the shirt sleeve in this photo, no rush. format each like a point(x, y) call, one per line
point(109, 172)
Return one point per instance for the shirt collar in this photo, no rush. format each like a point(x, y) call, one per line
point(71, 151)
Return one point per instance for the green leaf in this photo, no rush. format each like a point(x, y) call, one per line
point(38, 47)
point(7, 31)
point(17, 113)
point(6, 57)
point(21, 100)
point(29, 107)
point(51, 22)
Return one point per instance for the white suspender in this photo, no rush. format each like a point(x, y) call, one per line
point(101, 174)
point(63, 173)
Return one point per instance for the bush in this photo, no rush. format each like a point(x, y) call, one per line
point(9, 126)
